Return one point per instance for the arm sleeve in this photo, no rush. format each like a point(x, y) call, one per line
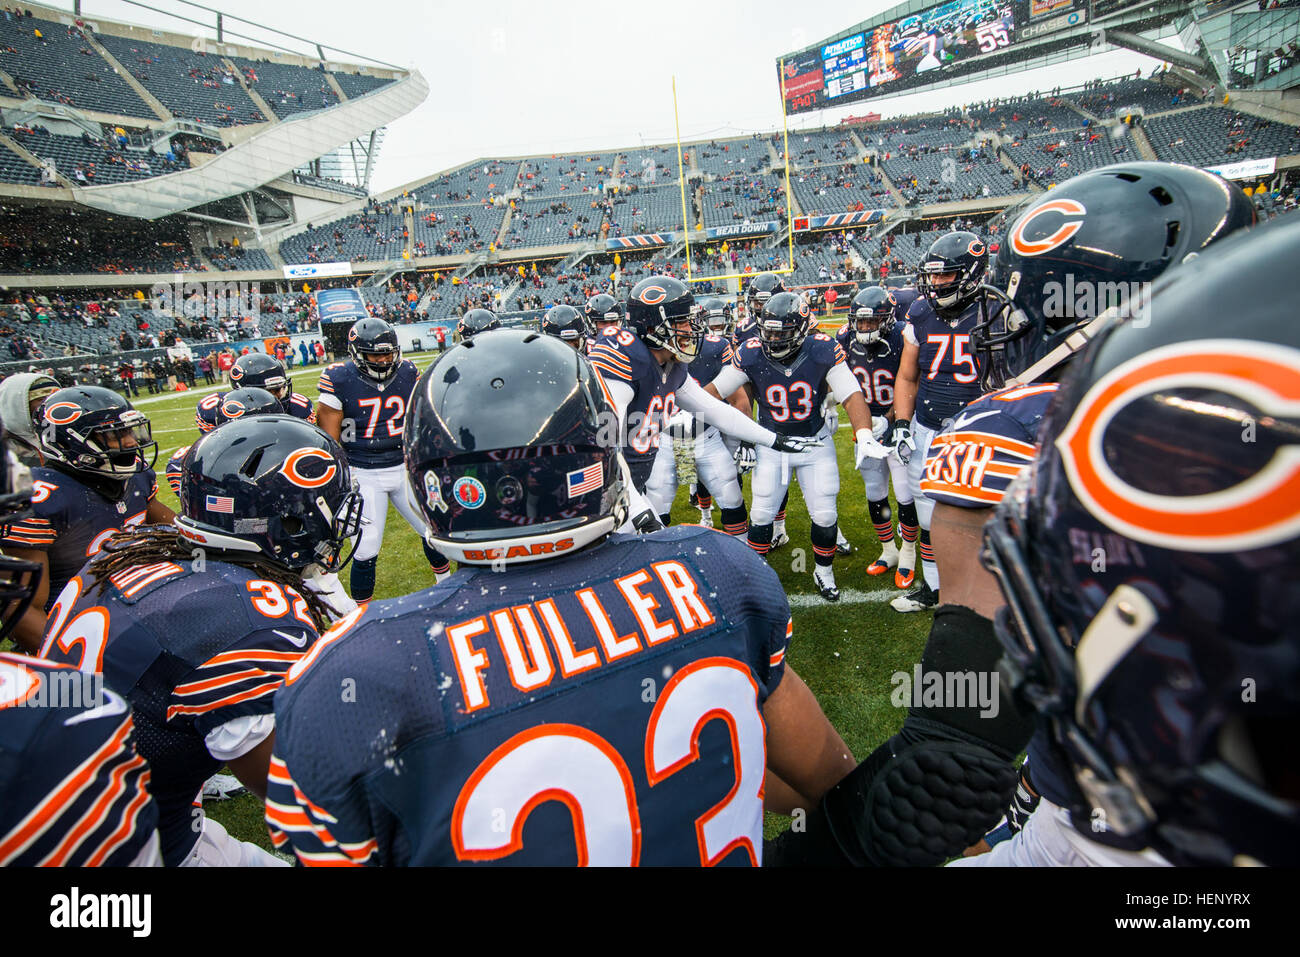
point(692, 397)
point(729, 380)
point(620, 393)
point(843, 382)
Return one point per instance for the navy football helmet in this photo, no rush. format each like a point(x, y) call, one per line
point(1091, 243)
point(604, 310)
point(661, 311)
point(1150, 559)
point(716, 314)
point(373, 346)
point(783, 326)
point(95, 431)
point(872, 315)
point(964, 258)
point(247, 401)
point(758, 291)
point(506, 452)
point(273, 486)
point(261, 371)
point(18, 578)
point(475, 321)
point(567, 323)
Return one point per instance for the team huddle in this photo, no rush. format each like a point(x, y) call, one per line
point(1108, 493)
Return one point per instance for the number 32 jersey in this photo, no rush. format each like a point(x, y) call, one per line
point(602, 709)
point(377, 411)
point(192, 651)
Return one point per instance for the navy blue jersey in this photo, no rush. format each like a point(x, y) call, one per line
point(949, 372)
point(73, 789)
point(205, 413)
point(745, 330)
point(71, 521)
point(904, 296)
point(544, 715)
point(972, 461)
point(619, 356)
point(876, 365)
point(790, 397)
point(191, 650)
point(377, 411)
point(173, 470)
point(715, 352)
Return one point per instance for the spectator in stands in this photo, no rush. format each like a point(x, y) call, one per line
point(205, 368)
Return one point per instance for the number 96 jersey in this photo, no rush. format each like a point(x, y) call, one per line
point(790, 397)
point(875, 365)
point(377, 411)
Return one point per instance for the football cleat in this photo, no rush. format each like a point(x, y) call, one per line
point(706, 517)
point(888, 559)
point(222, 787)
point(824, 578)
point(842, 545)
point(779, 538)
point(922, 599)
point(906, 566)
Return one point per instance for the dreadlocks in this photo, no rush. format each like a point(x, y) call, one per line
point(149, 544)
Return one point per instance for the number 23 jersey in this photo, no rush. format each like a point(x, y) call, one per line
point(377, 411)
point(601, 709)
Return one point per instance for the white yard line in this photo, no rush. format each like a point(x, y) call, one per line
point(848, 596)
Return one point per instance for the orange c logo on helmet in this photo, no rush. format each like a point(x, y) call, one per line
point(236, 373)
point(649, 297)
point(976, 248)
point(232, 409)
point(291, 469)
point(62, 419)
point(1036, 247)
point(1259, 511)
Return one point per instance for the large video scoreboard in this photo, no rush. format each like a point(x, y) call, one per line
point(897, 55)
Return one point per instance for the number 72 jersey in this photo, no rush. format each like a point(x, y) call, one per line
point(376, 410)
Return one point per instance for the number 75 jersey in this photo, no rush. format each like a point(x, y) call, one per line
point(377, 411)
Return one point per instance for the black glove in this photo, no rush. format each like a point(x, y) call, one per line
point(647, 522)
point(794, 443)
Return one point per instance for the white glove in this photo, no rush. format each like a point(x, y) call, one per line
point(680, 423)
point(866, 447)
point(879, 426)
point(904, 444)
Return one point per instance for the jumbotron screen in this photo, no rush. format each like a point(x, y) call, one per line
point(899, 54)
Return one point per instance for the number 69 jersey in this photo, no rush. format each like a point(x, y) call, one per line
point(619, 356)
point(790, 397)
point(376, 409)
point(602, 709)
point(192, 651)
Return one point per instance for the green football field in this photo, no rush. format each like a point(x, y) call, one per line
point(846, 652)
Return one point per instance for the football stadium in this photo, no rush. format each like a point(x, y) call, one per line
point(887, 452)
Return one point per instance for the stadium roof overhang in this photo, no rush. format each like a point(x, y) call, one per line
point(268, 154)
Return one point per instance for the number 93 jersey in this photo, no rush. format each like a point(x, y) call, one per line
point(601, 709)
point(377, 411)
point(790, 397)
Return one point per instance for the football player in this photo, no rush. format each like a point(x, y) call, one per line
point(509, 720)
point(1133, 210)
point(872, 341)
point(644, 368)
point(21, 395)
point(55, 728)
point(789, 373)
point(937, 374)
point(1148, 561)
point(717, 316)
point(230, 405)
point(569, 325)
point(475, 321)
point(603, 312)
point(96, 480)
point(363, 404)
point(257, 370)
point(1121, 240)
point(196, 623)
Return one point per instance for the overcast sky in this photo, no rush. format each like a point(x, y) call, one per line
point(508, 77)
